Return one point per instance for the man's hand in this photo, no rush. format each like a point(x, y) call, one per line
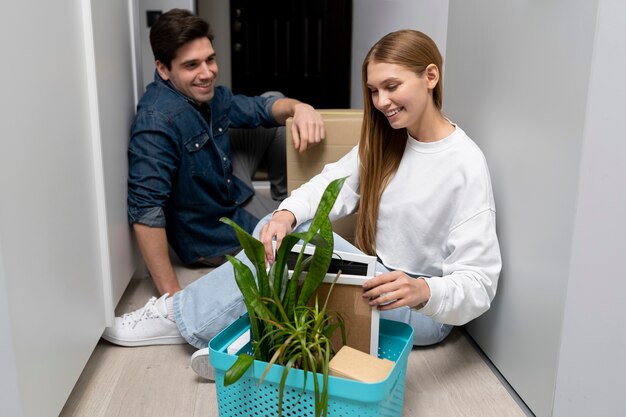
point(396, 289)
point(279, 226)
point(308, 127)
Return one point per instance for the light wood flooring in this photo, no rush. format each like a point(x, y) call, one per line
point(450, 379)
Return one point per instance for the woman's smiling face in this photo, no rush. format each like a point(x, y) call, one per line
point(400, 94)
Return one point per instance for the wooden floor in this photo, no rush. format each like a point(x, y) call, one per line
point(450, 379)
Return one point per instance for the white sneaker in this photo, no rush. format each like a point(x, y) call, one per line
point(201, 365)
point(146, 326)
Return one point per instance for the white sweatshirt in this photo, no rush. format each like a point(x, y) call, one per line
point(436, 219)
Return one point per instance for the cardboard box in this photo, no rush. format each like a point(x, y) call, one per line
point(354, 364)
point(361, 324)
point(343, 130)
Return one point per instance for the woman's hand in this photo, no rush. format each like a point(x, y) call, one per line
point(396, 289)
point(279, 226)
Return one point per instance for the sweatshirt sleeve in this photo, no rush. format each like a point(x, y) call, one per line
point(470, 272)
point(304, 200)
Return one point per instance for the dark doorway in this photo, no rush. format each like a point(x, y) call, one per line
point(301, 48)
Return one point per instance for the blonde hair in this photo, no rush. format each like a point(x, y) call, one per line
point(381, 147)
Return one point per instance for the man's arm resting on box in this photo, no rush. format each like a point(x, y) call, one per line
point(152, 243)
point(308, 127)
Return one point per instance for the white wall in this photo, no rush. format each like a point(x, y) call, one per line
point(518, 77)
point(48, 215)
point(217, 13)
point(10, 405)
point(112, 112)
point(146, 73)
point(592, 362)
point(372, 19)
point(63, 231)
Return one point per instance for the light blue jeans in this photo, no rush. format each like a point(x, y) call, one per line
point(212, 302)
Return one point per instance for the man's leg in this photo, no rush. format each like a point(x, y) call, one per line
point(209, 304)
point(276, 163)
point(251, 147)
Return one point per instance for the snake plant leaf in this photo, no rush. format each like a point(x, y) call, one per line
point(326, 204)
point(252, 298)
point(236, 371)
point(320, 241)
point(316, 240)
point(279, 268)
point(255, 252)
point(320, 261)
point(247, 286)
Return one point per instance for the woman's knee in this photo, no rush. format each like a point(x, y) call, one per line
point(432, 335)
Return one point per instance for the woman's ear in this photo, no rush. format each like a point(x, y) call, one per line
point(432, 75)
point(163, 71)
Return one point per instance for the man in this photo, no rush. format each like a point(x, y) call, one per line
point(184, 172)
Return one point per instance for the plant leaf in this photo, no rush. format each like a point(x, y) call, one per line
point(280, 264)
point(326, 204)
point(252, 299)
point(255, 252)
point(319, 264)
point(236, 371)
point(319, 241)
point(247, 286)
point(283, 379)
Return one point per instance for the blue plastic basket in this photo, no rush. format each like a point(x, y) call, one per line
point(345, 397)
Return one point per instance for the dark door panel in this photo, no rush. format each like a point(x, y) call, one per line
point(299, 47)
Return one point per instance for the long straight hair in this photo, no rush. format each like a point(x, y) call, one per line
point(381, 147)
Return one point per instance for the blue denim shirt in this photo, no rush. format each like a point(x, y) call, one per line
point(180, 167)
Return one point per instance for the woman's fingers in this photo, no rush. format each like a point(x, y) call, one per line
point(392, 290)
point(274, 231)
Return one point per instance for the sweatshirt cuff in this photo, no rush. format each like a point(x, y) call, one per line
point(298, 210)
point(437, 295)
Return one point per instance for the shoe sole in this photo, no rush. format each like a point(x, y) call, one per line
point(201, 366)
point(167, 340)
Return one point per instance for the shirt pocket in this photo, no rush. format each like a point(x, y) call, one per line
point(199, 153)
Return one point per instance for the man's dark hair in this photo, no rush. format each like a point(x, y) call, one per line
point(174, 29)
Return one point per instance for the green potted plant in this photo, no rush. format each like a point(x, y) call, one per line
point(287, 329)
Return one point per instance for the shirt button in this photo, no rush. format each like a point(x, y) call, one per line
point(224, 158)
point(219, 130)
point(228, 180)
point(197, 145)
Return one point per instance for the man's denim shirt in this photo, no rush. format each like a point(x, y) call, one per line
point(180, 167)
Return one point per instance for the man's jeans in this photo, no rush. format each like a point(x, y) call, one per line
point(212, 302)
point(253, 148)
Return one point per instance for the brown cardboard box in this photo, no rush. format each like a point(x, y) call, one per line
point(356, 312)
point(343, 130)
point(354, 364)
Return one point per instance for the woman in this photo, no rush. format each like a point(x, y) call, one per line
point(425, 209)
point(423, 193)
